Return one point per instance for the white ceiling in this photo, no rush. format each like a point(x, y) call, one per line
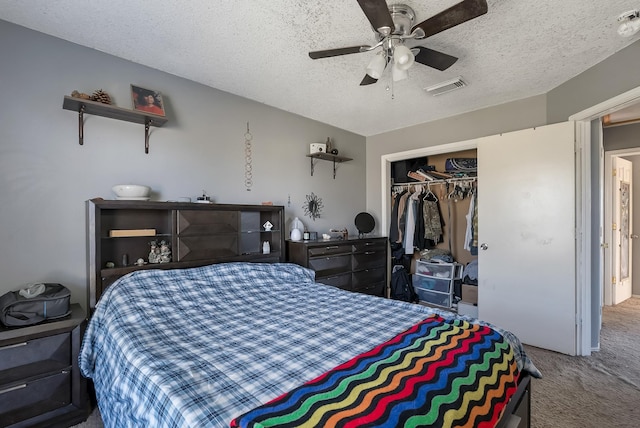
point(258, 49)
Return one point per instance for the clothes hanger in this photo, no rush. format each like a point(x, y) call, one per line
point(430, 193)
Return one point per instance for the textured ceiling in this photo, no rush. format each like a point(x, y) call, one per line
point(258, 49)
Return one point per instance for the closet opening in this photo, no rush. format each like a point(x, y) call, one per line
point(431, 206)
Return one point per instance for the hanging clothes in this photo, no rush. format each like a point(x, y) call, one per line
point(432, 220)
point(474, 243)
point(402, 216)
point(471, 231)
point(394, 234)
point(411, 221)
point(468, 233)
point(419, 241)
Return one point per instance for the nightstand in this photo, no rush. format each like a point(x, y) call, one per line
point(40, 381)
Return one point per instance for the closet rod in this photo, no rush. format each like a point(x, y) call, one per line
point(443, 181)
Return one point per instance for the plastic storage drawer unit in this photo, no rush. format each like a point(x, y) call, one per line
point(433, 297)
point(430, 283)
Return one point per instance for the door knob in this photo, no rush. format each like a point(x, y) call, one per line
point(634, 236)
point(484, 246)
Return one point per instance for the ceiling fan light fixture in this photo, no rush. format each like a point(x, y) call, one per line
point(376, 66)
point(398, 74)
point(403, 57)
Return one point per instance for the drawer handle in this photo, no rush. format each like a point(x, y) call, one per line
point(369, 252)
point(15, 345)
point(332, 248)
point(13, 388)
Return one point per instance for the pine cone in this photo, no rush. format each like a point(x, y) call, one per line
point(101, 97)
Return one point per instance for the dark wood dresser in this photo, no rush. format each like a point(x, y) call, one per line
point(40, 381)
point(354, 264)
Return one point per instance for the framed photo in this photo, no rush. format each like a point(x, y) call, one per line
point(147, 100)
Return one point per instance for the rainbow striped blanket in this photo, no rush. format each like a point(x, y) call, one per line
point(438, 373)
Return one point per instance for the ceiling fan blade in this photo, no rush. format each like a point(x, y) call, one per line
point(368, 80)
point(434, 59)
point(339, 51)
point(378, 14)
point(455, 15)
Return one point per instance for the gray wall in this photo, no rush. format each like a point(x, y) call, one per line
point(46, 176)
point(611, 77)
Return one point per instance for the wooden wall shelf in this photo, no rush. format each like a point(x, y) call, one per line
point(327, 157)
point(106, 110)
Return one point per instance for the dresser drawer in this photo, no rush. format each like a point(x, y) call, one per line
point(373, 288)
point(35, 356)
point(329, 249)
point(341, 281)
point(24, 400)
point(369, 259)
point(364, 246)
point(329, 266)
point(364, 278)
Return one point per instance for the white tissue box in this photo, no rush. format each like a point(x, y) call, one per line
point(317, 148)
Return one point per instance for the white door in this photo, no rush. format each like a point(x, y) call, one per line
point(526, 231)
point(621, 230)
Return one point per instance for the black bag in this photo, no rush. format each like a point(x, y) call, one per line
point(401, 286)
point(17, 310)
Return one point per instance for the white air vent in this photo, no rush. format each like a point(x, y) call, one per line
point(447, 86)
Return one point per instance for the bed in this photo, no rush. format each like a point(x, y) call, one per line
point(251, 344)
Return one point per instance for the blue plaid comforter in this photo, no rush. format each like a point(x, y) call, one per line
point(198, 347)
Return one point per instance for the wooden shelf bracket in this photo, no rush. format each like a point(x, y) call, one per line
point(81, 125)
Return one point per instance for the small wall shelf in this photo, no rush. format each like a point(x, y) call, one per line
point(327, 157)
point(106, 110)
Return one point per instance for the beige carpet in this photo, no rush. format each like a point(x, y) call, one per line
point(600, 391)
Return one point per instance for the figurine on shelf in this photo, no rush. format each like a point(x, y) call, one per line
point(154, 252)
point(165, 252)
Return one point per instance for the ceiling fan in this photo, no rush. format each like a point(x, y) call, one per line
point(393, 25)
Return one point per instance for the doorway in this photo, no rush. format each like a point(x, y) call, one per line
point(590, 187)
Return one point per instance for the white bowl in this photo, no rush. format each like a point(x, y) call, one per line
point(131, 191)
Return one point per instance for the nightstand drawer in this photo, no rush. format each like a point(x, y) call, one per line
point(21, 401)
point(35, 356)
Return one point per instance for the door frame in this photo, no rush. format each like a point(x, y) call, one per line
point(608, 288)
point(585, 300)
